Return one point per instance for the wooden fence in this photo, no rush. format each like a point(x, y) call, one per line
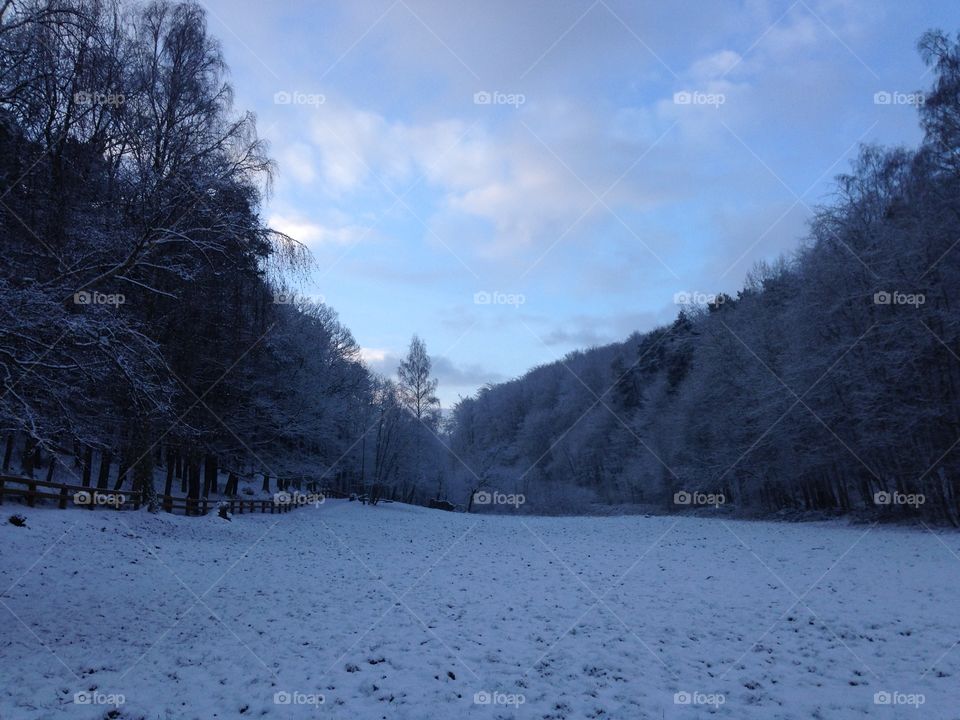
point(30, 490)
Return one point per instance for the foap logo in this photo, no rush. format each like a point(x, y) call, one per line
point(896, 297)
point(484, 497)
point(695, 297)
point(88, 498)
point(485, 697)
point(699, 498)
point(85, 297)
point(484, 97)
point(95, 697)
point(85, 97)
point(696, 697)
point(887, 97)
point(298, 498)
point(298, 698)
point(499, 298)
point(894, 697)
point(695, 97)
point(296, 97)
point(896, 497)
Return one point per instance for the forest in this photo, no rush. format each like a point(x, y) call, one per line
point(151, 320)
point(829, 383)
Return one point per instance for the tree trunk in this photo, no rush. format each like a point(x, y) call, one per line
point(126, 457)
point(183, 471)
point(106, 457)
point(87, 465)
point(210, 470)
point(28, 457)
point(143, 481)
point(168, 484)
point(8, 451)
point(206, 476)
point(193, 489)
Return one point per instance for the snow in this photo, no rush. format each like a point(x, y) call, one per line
point(402, 612)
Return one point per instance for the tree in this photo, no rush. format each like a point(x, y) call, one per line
point(418, 395)
point(417, 388)
point(137, 293)
point(831, 377)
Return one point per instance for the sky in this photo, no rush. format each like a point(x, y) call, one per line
point(513, 180)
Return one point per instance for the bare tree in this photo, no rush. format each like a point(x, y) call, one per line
point(418, 394)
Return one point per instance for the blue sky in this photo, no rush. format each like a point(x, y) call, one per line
point(515, 180)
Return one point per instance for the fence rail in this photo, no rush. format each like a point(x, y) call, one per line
point(30, 490)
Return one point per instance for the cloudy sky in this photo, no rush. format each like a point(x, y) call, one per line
point(516, 179)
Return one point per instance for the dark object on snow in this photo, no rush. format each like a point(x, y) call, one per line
point(353, 496)
point(224, 512)
point(442, 505)
point(18, 520)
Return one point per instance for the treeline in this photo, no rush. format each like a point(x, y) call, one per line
point(830, 383)
point(145, 309)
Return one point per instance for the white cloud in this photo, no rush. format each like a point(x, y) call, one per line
point(373, 355)
point(342, 140)
point(446, 371)
point(524, 190)
point(714, 65)
point(297, 160)
point(315, 234)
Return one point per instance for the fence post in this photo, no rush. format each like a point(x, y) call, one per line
point(1, 491)
point(137, 498)
point(31, 494)
point(63, 497)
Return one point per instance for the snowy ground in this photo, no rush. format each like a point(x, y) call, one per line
point(401, 612)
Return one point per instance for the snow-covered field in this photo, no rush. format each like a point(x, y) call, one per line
point(402, 612)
